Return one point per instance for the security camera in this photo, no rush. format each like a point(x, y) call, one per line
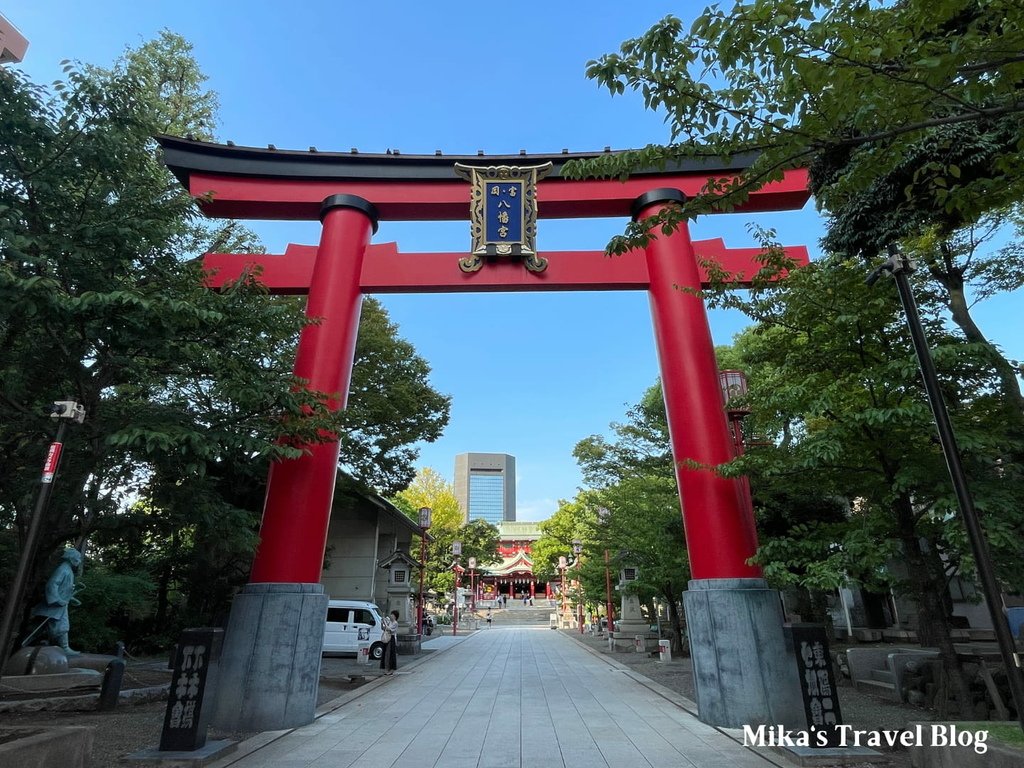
point(68, 409)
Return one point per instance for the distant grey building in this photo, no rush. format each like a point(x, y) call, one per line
point(485, 485)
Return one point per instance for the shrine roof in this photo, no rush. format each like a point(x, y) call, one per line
point(185, 156)
point(519, 562)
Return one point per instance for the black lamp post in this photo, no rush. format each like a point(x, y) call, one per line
point(603, 515)
point(900, 267)
point(457, 570)
point(64, 412)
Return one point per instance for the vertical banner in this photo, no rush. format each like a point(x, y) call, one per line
point(52, 461)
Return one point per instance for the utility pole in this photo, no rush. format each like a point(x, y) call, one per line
point(901, 267)
point(64, 411)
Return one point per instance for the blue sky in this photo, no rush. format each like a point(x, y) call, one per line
point(530, 374)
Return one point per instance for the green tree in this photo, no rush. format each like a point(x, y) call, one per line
point(829, 360)
point(908, 116)
point(189, 392)
point(430, 489)
point(573, 520)
point(846, 84)
point(479, 538)
point(633, 477)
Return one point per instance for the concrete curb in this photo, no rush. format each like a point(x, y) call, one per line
point(85, 702)
point(66, 745)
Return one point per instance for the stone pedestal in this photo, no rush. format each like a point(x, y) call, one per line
point(409, 645)
point(631, 623)
point(743, 671)
point(270, 665)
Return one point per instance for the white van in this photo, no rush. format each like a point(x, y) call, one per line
point(350, 622)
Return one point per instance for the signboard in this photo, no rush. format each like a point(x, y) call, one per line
point(456, 548)
point(195, 667)
point(817, 680)
point(503, 213)
point(52, 460)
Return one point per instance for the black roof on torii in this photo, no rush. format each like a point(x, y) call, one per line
point(184, 156)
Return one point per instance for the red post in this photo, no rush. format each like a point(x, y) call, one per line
point(455, 610)
point(719, 530)
point(423, 568)
point(297, 510)
point(608, 607)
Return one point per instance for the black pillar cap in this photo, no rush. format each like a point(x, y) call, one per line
point(662, 195)
point(350, 201)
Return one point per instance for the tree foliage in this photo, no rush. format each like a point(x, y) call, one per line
point(479, 538)
point(908, 116)
point(922, 98)
point(835, 390)
point(189, 392)
point(629, 510)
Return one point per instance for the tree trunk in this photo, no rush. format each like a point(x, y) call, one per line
point(675, 617)
point(960, 310)
point(933, 626)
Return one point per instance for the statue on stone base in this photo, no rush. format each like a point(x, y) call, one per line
point(60, 592)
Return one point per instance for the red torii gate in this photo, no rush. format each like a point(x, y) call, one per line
point(350, 193)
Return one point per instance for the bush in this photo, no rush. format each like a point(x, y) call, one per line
point(111, 604)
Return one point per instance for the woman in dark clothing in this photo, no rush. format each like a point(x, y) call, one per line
point(389, 661)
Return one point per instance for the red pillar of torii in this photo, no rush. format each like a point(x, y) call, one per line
point(293, 532)
point(349, 193)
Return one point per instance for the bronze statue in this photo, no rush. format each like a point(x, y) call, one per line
point(60, 592)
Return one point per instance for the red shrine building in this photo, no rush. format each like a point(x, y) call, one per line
point(513, 575)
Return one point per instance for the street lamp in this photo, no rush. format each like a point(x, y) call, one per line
point(457, 569)
point(424, 521)
point(604, 515)
point(577, 549)
point(472, 584)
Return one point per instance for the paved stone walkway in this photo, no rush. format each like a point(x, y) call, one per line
point(504, 698)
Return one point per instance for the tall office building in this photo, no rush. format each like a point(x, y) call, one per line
point(485, 485)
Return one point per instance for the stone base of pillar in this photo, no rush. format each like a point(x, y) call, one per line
point(408, 645)
point(743, 671)
point(270, 664)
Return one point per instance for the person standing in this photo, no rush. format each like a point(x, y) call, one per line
point(389, 660)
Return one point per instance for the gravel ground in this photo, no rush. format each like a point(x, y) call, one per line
point(861, 710)
point(132, 728)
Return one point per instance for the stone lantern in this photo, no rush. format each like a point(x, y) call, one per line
point(400, 591)
point(631, 619)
